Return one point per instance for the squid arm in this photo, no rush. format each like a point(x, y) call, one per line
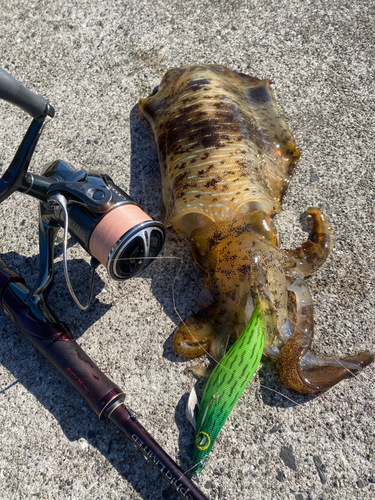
point(298, 368)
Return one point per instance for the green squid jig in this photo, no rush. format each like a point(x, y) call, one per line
point(225, 385)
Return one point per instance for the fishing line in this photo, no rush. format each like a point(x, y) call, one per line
point(202, 461)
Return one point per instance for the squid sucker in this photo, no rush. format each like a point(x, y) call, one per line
point(226, 159)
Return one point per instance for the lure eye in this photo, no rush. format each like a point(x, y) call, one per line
point(202, 441)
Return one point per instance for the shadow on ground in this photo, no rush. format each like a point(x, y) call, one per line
point(175, 267)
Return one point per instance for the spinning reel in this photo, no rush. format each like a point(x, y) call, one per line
point(112, 228)
point(97, 213)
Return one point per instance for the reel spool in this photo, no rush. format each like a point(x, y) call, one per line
point(126, 254)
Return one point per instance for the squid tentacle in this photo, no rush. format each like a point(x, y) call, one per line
point(309, 256)
point(298, 368)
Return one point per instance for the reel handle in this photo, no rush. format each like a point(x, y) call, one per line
point(14, 176)
point(14, 92)
point(36, 106)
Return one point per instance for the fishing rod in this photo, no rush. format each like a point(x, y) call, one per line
point(115, 232)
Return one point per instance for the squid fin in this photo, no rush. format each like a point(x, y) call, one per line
point(278, 138)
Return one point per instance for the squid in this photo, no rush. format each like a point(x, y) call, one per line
point(226, 159)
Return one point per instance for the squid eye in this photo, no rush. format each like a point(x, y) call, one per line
point(202, 441)
point(262, 224)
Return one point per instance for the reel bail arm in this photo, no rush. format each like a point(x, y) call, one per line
point(62, 202)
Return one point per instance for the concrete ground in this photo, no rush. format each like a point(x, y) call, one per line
point(93, 61)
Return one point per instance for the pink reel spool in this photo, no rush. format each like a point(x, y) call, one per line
point(125, 240)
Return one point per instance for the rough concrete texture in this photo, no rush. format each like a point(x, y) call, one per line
point(93, 61)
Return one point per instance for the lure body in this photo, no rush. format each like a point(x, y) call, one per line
point(226, 158)
point(225, 385)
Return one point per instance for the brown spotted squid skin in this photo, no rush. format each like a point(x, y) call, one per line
point(226, 158)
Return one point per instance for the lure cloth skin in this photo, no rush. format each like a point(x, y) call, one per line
point(226, 159)
point(225, 385)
